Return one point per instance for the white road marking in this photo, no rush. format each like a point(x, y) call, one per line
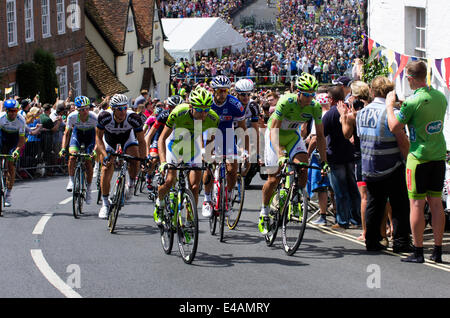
point(51, 276)
point(349, 237)
point(65, 201)
point(39, 228)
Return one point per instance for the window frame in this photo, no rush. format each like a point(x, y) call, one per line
point(45, 17)
point(13, 32)
point(77, 79)
point(61, 16)
point(29, 28)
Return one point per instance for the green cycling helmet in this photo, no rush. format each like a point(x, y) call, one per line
point(307, 82)
point(200, 97)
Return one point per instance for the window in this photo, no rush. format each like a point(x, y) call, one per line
point(77, 78)
point(45, 11)
point(29, 21)
point(157, 50)
point(11, 22)
point(130, 63)
point(60, 16)
point(74, 20)
point(63, 82)
point(420, 50)
point(130, 27)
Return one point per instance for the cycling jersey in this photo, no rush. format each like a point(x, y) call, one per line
point(119, 133)
point(230, 111)
point(424, 113)
point(159, 126)
point(10, 131)
point(181, 117)
point(291, 115)
point(83, 132)
point(251, 114)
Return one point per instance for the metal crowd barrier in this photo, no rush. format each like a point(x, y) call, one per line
point(40, 157)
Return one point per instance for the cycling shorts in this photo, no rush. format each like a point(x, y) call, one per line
point(292, 142)
point(80, 137)
point(424, 178)
point(8, 143)
point(111, 146)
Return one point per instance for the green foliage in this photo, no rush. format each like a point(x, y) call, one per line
point(28, 79)
point(373, 69)
point(47, 64)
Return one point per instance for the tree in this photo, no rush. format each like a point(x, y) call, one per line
point(46, 61)
point(29, 80)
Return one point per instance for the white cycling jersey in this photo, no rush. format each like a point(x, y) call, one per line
point(15, 126)
point(74, 121)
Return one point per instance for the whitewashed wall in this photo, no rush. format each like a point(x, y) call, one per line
point(391, 23)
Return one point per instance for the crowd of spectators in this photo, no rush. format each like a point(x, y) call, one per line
point(200, 8)
point(324, 41)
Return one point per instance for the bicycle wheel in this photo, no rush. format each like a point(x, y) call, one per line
point(76, 193)
point(295, 215)
point(116, 205)
point(99, 190)
point(274, 216)
point(222, 210)
point(187, 227)
point(213, 218)
point(2, 192)
point(143, 183)
point(166, 229)
point(138, 183)
point(239, 196)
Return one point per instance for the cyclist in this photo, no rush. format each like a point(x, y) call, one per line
point(283, 134)
point(80, 129)
point(118, 126)
point(171, 143)
point(155, 131)
point(12, 138)
point(229, 109)
point(244, 89)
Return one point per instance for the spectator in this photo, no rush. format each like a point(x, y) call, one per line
point(49, 128)
point(383, 170)
point(141, 98)
point(340, 154)
point(424, 113)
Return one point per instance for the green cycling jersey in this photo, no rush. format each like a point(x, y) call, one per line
point(424, 113)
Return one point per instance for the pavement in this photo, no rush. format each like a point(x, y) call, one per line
point(428, 243)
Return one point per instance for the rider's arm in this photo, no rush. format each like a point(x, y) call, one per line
point(275, 137)
point(99, 142)
point(66, 138)
point(321, 142)
point(162, 143)
point(142, 144)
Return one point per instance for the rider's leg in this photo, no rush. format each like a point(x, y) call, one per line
point(194, 182)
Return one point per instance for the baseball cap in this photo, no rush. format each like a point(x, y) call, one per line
point(342, 80)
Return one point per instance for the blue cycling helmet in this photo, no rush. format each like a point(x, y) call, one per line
point(82, 101)
point(11, 103)
point(220, 81)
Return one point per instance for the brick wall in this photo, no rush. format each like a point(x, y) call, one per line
point(67, 48)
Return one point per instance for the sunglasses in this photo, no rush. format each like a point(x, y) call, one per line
point(121, 108)
point(12, 110)
point(245, 94)
point(83, 108)
point(308, 94)
point(202, 110)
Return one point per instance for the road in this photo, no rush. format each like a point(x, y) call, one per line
point(46, 253)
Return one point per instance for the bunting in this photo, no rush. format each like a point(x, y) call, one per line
point(441, 65)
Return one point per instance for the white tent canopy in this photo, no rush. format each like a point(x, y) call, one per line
point(186, 36)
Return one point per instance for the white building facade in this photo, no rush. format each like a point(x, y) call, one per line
point(417, 28)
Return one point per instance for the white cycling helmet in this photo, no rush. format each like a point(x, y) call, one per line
point(118, 100)
point(220, 81)
point(244, 85)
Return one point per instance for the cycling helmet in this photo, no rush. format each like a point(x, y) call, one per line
point(175, 100)
point(244, 85)
point(307, 82)
point(220, 81)
point(82, 101)
point(200, 97)
point(158, 110)
point(118, 100)
point(11, 103)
